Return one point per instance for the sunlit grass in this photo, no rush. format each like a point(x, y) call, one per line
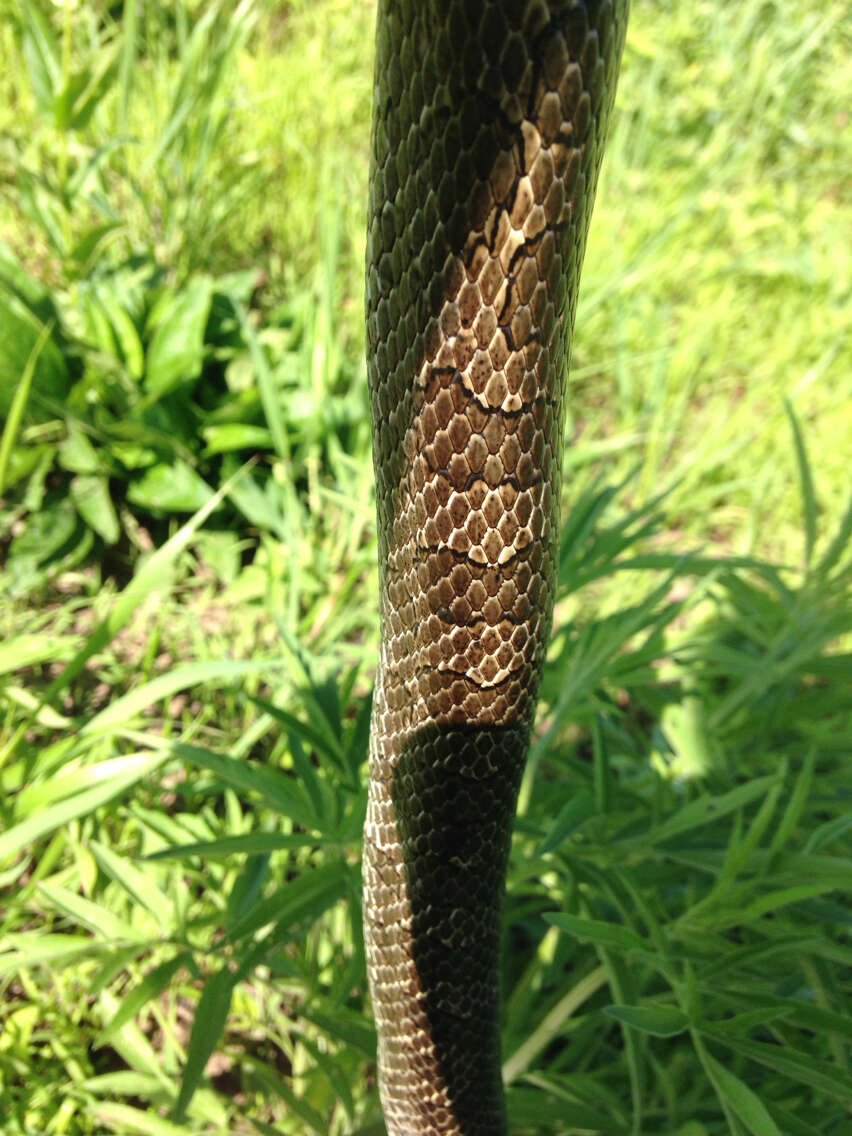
point(183, 710)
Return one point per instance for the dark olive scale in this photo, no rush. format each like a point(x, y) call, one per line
point(489, 118)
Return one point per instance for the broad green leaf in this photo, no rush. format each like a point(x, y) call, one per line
point(54, 541)
point(232, 436)
point(176, 351)
point(24, 460)
point(746, 1104)
point(174, 488)
point(15, 280)
point(25, 337)
point(76, 452)
point(91, 495)
point(661, 1021)
point(19, 399)
point(125, 331)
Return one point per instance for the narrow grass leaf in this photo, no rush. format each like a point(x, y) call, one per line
point(706, 809)
point(661, 1021)
point(127, 1121)
point(571, 817)
point(149, 988)
point(552, 1024)
point(827, 833)
point(346, 1026)
point(246, 844)
point(594, 930)
point(804, 1015)
point(767, 904)
point(806, 484)
point(139, 886)
point(22, 651)
point(32, 949)
point(280, 792)
point(42, 54)
point(840, 542)
point(130, 19)
point(269, 397)
point(746, 1104)
point(795, 805)
point(88, 914)
point(247, 889)
point(321, 740)
point(273, 1084)
point(305, 897)
point(192, 675)
point(792, 1063)
point(73, 777)
point(794, 1125)
point(211, 1014)
point(307, 775)
point(123, 1083)
point(750, 1019)
point(335, 1074)
point(29, 830)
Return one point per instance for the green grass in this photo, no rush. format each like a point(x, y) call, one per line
point(188, 624)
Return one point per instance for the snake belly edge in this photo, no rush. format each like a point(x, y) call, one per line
point(489, 121)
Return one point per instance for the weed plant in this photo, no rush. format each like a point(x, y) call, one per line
point(188, 598)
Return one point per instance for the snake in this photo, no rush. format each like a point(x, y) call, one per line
point(489, 119)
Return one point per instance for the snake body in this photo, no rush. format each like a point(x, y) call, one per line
point(489, 121)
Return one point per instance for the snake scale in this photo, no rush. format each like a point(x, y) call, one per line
point(489, 120)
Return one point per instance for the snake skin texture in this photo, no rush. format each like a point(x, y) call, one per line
point(489, 121)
